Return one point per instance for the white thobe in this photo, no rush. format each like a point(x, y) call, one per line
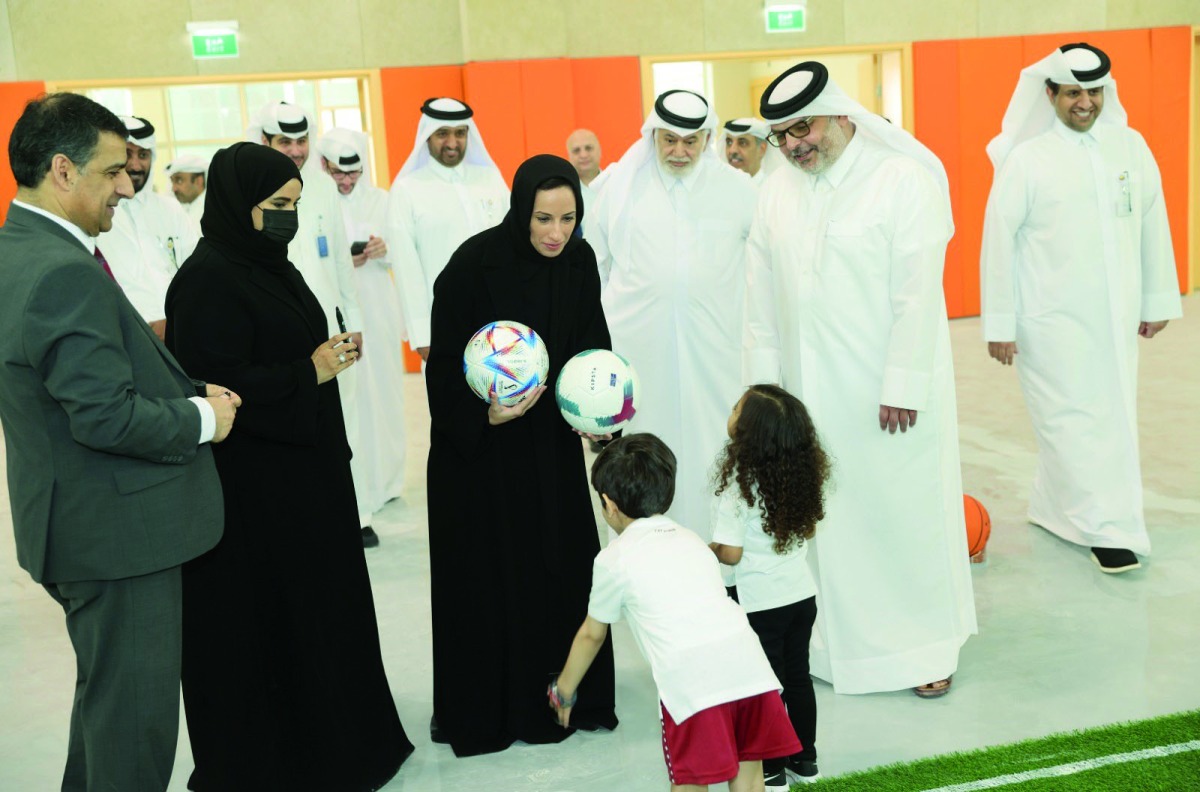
point(1076, 252)
point(432, 211)
point(195, 210)
point(672, 268)
point(844, 308)
point(150, 239)
point(381, 446)
point(321, 252)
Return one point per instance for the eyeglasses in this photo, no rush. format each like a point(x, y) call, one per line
point(796, 131)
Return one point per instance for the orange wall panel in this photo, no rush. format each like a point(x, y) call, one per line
point(608, 101)
point(978, 122)
point(1170, 53)
point(494, 90)
point(13, 97)
point(936, 83)
point(548, 105)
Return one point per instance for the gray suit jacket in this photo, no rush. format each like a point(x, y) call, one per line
point(105, 477)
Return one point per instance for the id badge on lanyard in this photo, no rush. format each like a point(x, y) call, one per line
point(1124, 194)
point(322, 240)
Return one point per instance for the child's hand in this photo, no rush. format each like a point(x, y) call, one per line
point(561, 704)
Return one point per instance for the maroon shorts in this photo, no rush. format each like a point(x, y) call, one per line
point(707, 747)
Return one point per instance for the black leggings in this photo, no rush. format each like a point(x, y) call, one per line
point(784, 633)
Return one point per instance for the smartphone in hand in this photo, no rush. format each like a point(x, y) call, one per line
point(357, 248)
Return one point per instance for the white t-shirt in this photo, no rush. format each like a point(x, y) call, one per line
point(667, 583)
point(764, 578)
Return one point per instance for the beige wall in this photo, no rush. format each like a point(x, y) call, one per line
point(101, 39)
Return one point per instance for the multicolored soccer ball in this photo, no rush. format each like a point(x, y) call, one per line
point(507, 359)
point(597, 391)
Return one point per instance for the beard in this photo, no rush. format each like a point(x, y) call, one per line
point(139, 179)
point(827, 151)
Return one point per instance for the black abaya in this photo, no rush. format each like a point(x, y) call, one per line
point(512, 535)
point(283, 680)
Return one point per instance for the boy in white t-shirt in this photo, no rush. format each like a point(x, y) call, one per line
point(719, 700)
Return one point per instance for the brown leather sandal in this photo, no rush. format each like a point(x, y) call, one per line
point(934, 689)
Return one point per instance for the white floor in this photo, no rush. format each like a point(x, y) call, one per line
point(1061, 646)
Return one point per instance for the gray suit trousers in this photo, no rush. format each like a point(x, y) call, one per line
point(125, 722)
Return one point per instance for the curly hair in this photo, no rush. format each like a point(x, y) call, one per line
point(774, 448)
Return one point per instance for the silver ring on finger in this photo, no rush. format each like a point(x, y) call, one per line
point(342, 357)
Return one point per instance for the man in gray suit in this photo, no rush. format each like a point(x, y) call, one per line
point(111, 482)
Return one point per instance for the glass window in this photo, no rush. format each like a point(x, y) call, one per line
point(340, 92)
point(299, 92)
point(205, 112)
point(118, 100)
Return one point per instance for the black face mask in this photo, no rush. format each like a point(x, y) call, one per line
point(280, 225)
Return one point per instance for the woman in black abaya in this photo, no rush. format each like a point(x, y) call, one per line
point(512, 534)
point(283, 682)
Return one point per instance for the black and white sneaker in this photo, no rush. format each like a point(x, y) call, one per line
point(369, 537)
point(1115, 559)
point(802, 771)
point(776, 782)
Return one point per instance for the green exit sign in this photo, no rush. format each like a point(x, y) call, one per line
point(214, 45)
point(786, 19)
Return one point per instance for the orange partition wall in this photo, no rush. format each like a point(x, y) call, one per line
point(961, 89)
point(608, 101)
point(13, 97)
point(529, 107)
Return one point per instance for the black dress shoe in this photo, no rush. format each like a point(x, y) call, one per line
point(1115, 559)
point(369, 537)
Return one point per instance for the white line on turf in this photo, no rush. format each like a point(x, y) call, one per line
point(1073, 767)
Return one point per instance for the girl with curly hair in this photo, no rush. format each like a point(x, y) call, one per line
point(769, 499)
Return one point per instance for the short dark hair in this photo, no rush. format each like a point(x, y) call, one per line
point(1053, 86)
point(636, 472)
point(59, 123)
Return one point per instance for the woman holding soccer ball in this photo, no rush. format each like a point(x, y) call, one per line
point(512, 534)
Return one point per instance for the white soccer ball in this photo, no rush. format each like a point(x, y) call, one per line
point(507, 359)
point(597, 391)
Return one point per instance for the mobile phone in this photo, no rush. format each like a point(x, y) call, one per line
point(356, 248)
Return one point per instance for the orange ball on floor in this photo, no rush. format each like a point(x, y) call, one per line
point(979, 526)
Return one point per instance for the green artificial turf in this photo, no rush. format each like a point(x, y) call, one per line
point(1179, 771)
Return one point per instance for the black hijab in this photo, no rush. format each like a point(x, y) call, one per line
point(240, 177)
point(532, 174)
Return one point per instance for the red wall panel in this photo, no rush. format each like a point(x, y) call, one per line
point(495, 92)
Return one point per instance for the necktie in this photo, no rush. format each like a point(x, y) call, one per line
point(103, 263)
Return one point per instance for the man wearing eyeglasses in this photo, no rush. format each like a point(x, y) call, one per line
point(845, 309)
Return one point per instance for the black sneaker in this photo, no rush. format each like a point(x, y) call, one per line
point(1115, 559)
point(776, 782)
point(802, 771)
point(369, 537)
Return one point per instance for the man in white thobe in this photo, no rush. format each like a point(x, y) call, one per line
point(583, 152)
point(844, 308)
point(745, 146)
point(448, 190)
point(151, 235)
point(381, 374)
point(321, 252)
point(188, 174)
point(670, 233)
point(1076, 264)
